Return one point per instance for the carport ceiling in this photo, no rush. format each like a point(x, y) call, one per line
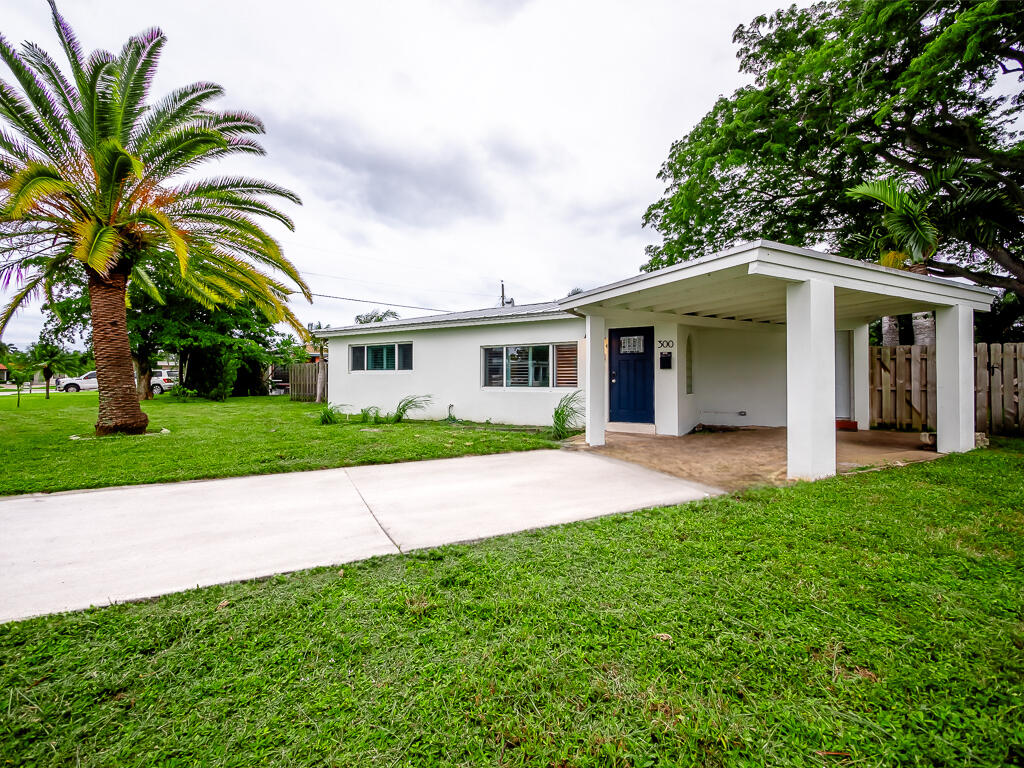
point(734, 294)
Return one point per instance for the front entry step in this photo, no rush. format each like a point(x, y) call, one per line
point(630, 427)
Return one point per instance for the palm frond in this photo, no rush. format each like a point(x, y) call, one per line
point(159, 221)
point(234, 184)
point(24, 120)
point(37, 93)
point(137, 65)
point(142, 280)
point(113, 165)
point(59, 84)
point(171, 113)
point(20, 297)
point(97, 245)
point(26, 188)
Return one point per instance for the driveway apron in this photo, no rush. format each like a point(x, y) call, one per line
point(71, 550)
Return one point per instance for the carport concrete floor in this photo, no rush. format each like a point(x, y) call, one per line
point(734, 459)
point(71, 550)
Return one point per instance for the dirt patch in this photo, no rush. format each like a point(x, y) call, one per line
point(749, 456)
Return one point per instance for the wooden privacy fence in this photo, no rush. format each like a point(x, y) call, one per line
point(302, 380)
point(903, 387)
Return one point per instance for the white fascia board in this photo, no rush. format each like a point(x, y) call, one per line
point(715, 263)
point(868, 278)
point(376, 328)
point(628, 317)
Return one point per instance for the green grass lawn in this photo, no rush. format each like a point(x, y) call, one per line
point(869, 620)
point(242, 436)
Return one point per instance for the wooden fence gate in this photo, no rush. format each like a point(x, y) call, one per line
point(302, 380)
point(903, 387)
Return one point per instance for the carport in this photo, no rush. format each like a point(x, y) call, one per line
point(748, 336)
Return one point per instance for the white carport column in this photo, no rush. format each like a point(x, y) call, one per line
point(810, 380)
point(597, 408)
point(861, 376)
point(954, 384)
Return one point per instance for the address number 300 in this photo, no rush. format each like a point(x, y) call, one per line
point(666, 344)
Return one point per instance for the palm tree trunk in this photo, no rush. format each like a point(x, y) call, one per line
point(320, 388)
point(119, 402)
point(924, 328)
point(890, 331)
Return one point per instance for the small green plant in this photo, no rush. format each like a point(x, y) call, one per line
point(410, 403)
point(329, 414)
point(568, 415)
point(370, 415)
point(183, 393)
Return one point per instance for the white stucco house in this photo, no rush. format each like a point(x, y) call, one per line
point(761, 334)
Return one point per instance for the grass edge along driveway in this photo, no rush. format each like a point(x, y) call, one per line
point(873, 619)
point(238, 437)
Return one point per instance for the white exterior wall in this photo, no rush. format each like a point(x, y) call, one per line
point(448, 366)
point(740, 371)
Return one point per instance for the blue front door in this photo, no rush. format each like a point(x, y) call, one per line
point(631, 375)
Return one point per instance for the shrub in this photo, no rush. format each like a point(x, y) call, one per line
point(370, 415)
point(329, 414)
point(183, 393)
point(568, 415)
point(409, 403)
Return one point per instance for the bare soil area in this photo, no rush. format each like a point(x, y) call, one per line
point(742, 458)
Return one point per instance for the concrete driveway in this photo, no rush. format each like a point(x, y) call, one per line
point(67, 551)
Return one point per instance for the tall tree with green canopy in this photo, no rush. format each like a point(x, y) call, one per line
point(853, 91)
point(96, 189)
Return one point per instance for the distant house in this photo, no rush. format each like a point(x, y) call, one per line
point(4, 373)
point(313, 354)
point(761, 334)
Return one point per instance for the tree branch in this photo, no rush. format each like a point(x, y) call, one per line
point(948, 269)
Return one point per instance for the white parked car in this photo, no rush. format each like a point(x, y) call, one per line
point(160, 382)
point(78, 383)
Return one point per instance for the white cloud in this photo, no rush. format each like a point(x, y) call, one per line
point(440, 147)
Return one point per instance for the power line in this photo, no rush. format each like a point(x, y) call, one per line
point(384, 282)
point(378, 303)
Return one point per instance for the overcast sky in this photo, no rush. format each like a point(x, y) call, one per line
point(441, 147)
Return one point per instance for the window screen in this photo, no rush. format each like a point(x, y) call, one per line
point(528, 366)
point(517, 366)
point(358, 358)
point(405, 357)
point(380, 357)
point(494, 366)
point(566, 369)
point(535, 365)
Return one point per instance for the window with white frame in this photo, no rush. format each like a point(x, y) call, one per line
point(531, 365)
point(380, 357)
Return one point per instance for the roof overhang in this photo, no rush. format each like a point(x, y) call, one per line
point(745, 286)
point(426, 323)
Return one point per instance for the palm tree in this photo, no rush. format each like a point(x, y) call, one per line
point(93, 192)
point(947, 199)
point(320, 346)
point(376, 316)
point(51, 359)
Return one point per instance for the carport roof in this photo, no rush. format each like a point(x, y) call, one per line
point(744, 286)
point(747, 285)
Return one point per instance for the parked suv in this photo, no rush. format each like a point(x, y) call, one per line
point(162, 381)
point(78, 383)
